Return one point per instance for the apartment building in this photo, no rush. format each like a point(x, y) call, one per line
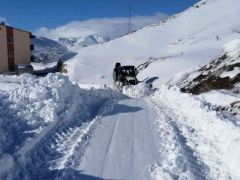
point(15, 48)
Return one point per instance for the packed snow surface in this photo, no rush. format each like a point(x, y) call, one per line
point(126, 148)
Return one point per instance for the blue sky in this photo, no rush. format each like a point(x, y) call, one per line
point(33, 14)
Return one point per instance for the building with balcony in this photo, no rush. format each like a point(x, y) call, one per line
point(15, 48)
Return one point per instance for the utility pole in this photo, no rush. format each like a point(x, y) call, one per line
point(130, 18)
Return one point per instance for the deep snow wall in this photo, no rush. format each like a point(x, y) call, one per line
point(34, 114)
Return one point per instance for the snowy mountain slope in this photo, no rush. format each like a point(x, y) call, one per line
point(105, 27)
point(221, 73)
point(186, 40)
point(83, 41)
point(47, 50)
point(95, 31)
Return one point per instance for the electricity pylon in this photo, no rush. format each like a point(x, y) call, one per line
point(130, 18)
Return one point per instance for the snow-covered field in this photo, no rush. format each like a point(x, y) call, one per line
point(76, 126)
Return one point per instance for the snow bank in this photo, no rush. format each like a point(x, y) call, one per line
point(137, 91)
point(215, 138)
point(158, 173)
point(219, 98)
point(53, 95)
point(42, 66)
point(10, 82)
point(32, 110)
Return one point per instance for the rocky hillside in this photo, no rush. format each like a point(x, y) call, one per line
point(218, 83)
point(221, 73)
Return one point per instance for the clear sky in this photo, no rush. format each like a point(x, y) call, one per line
point(33, 14)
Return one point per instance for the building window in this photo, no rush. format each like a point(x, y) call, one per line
point(10, 54)
point(10, 39)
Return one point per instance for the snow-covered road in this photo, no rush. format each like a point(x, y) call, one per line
point(123, 144)
point(147, 138)
point(136, 139)
point(102, 134)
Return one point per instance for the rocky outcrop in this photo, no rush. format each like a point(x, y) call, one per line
point(221, 73)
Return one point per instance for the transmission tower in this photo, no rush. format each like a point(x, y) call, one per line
point(130, 18)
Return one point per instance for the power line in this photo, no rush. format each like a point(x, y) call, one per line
point(130, 18)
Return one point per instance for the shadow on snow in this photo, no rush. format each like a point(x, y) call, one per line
point(151, 80)
point(121, 108)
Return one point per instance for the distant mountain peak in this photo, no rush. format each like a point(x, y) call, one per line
point(47, 50)
point(82, 41)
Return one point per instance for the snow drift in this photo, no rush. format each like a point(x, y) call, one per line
point(213, 137)
point(36, 110)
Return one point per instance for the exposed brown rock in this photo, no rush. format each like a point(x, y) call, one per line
point(210, 76)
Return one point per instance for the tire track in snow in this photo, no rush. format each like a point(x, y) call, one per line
point(49, 154)
point(132, 157)
point(115, 132)
point(74, 147)
point(67, 147)
point(185, 163)
point(123, 151)
point(108, 146)
point(133, 143)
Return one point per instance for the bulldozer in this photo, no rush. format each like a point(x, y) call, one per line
point(128, 75)
point(124, 75)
